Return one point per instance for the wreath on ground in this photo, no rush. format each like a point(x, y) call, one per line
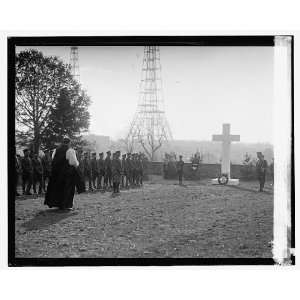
point(223, 179)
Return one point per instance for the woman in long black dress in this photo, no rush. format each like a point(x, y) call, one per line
point(61, 187)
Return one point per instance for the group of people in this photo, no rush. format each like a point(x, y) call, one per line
point(66, 169)
point(261, 170)
point(98, 173)
point(34, 171)
point(72, 169)
point(111, 172)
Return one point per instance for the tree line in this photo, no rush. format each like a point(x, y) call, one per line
point(50, 103)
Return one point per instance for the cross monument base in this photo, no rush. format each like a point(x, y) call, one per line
point(231, 181)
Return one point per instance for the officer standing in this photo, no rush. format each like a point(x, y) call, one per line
point(108, 174)
point(87, 171)
point(94, 170)
point(116, 172)
point(38, 173)
point(134, 169)
point(128, 170)
point(27, 172)
point(261, 168)
point(140, 169)
point(101, 171)
point(47, 165)
point(123, 165)
point(18, 172)
point(179, 167)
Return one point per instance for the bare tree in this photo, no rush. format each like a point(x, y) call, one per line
point(151, 145)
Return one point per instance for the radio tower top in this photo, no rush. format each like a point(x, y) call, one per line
point(74, 62)
point(150, 127)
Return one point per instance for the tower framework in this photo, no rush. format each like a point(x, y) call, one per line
point(150, 127)
point(74, 62)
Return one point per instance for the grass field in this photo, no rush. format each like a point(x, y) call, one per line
point(162, 219)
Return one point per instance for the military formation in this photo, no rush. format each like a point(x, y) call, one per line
point(110, 173)
point(34, 172)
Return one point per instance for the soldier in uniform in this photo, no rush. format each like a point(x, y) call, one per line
point(80, 161)
point(116, 168)
point(18, 172)
point(94, 169)
point(101, 170)
point(128, 170)
point(38, 173)
point(179, 167)
point(47, 165)
point(272, 171)
point(133, 169)
point(165, 166)
point(87, 171)
point(261, 168)
point(123, 175)
point(140, 169)
point(27, 172)
point(107, 164)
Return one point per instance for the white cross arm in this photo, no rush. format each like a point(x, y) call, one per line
point(217, 137)
point(234, 137)
point(222, 138)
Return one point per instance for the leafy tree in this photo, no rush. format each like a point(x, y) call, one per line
point(68, 117)
point(40, 82)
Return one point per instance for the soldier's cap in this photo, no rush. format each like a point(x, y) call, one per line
point(180, 156)
point(259, 153)
point(123, 155)
point(128, 153)
point(118, 152)
point(101, 153)
point(108, 152)
point(94, 153)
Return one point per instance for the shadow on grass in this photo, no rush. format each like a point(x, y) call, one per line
point(45, 218)
point(248, 190)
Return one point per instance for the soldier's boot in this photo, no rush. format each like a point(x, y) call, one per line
point(34, 187)
point(23, 187)
point(28, 188)
point(90, 184)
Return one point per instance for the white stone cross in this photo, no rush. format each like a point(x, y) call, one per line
point(226, 138)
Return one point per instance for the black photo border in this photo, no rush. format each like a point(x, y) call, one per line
point(221, 40)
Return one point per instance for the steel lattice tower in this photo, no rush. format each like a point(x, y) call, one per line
point(150, 127)
point(74, 62)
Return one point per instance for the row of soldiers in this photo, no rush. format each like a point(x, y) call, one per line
point(99, 173)
point(33, 170)
point(111, 172)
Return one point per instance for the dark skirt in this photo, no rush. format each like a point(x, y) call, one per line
point(61, 189)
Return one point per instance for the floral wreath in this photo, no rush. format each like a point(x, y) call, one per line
point(223, 179)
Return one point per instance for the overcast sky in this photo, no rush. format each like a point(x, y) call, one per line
point(203, 88)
